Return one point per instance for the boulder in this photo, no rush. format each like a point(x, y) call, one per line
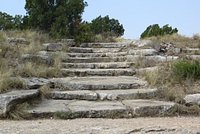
point(45, 59)
point(11, 99)
point(17, 41)
point(35, 83)
point(53, 47)
point(192, 99)
point(68, 42)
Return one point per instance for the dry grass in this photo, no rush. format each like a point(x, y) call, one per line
point(19, 112)
point(11, 64)
point(171, 88)
point(45, 91)
point(179, 40)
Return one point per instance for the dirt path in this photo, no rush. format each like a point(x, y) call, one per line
point(182, 125)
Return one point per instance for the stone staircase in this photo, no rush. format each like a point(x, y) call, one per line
point(100, 82)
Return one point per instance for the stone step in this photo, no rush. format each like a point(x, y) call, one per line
point(10, 99)
point(94, 59)
point(96, 54)
point(99, 83)
point(68, 109)
point(98, 72)
point(104, 45)
point(105, 65)
point(94, 50)
point(103, 94)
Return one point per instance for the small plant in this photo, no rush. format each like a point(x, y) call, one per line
point(19, 112)
point(185, 69)
point(45, 91)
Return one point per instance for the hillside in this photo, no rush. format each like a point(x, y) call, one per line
point(44, 78)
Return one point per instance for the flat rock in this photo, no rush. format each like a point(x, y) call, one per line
point(45, 59)
point(35, 83)
point(125, 94)
point(53, 47)
point(102, 65)
point(103, 94)
point(99, 83)
point(104, 45)
point(98, 72)
point(10, 99)
point(148, 107)
point(192, 99)
point(68, 109)
point(17, 41)
point(96, 54)
point(143, 52)
point(94, 50)
point(94, 59)
point(79, 109)
point(72, 95)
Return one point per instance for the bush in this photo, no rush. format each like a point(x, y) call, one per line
point(107, 26)
point(156, 30)
point(185, 69)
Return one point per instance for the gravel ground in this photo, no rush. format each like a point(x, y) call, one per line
point(172, 125)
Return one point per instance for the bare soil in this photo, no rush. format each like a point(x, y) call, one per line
point(168, 125)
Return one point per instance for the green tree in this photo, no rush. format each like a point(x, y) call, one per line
point(105, 25)
point(59, 17)
point(8, 22)
point(155, 30)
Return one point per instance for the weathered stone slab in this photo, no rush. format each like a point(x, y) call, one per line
point(103, 65)
point(99, 83)
point(192, 99)
point(104, 45)
point(35, 83)
point(17, 41)
point(47, 108)
point(53, 47)
point(143, 52)
point(103, 94)
point(125, 94)
point(97, 54)
point(94, 59)
point(94, 50)
point(46, 59)
point(100, 109)
point(98, 72)
point(72, 95)
point(11, 99)
point(79, 109)
point(143, 108)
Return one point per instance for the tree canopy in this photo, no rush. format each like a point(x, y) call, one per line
point(59, 17)
point(156, 30)
point(8, 22)
point(105, 25)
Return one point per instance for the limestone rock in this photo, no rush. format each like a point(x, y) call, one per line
point(192, 99)
point(68, 42)
point(34, 83)
point(38, 58)
point(10, 99)
point(17, 41)
point(53, 47)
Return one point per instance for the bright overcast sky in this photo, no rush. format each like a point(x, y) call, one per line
point(135, 15)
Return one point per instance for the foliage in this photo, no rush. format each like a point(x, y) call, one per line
point(85, 33)
point(187, 69)
point(8, 22)
point(59, 17)
point(107, 26)
point(156, 30)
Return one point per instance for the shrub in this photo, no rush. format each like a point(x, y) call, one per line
point(107, 26)
point(186, 69)
point(156, 30)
